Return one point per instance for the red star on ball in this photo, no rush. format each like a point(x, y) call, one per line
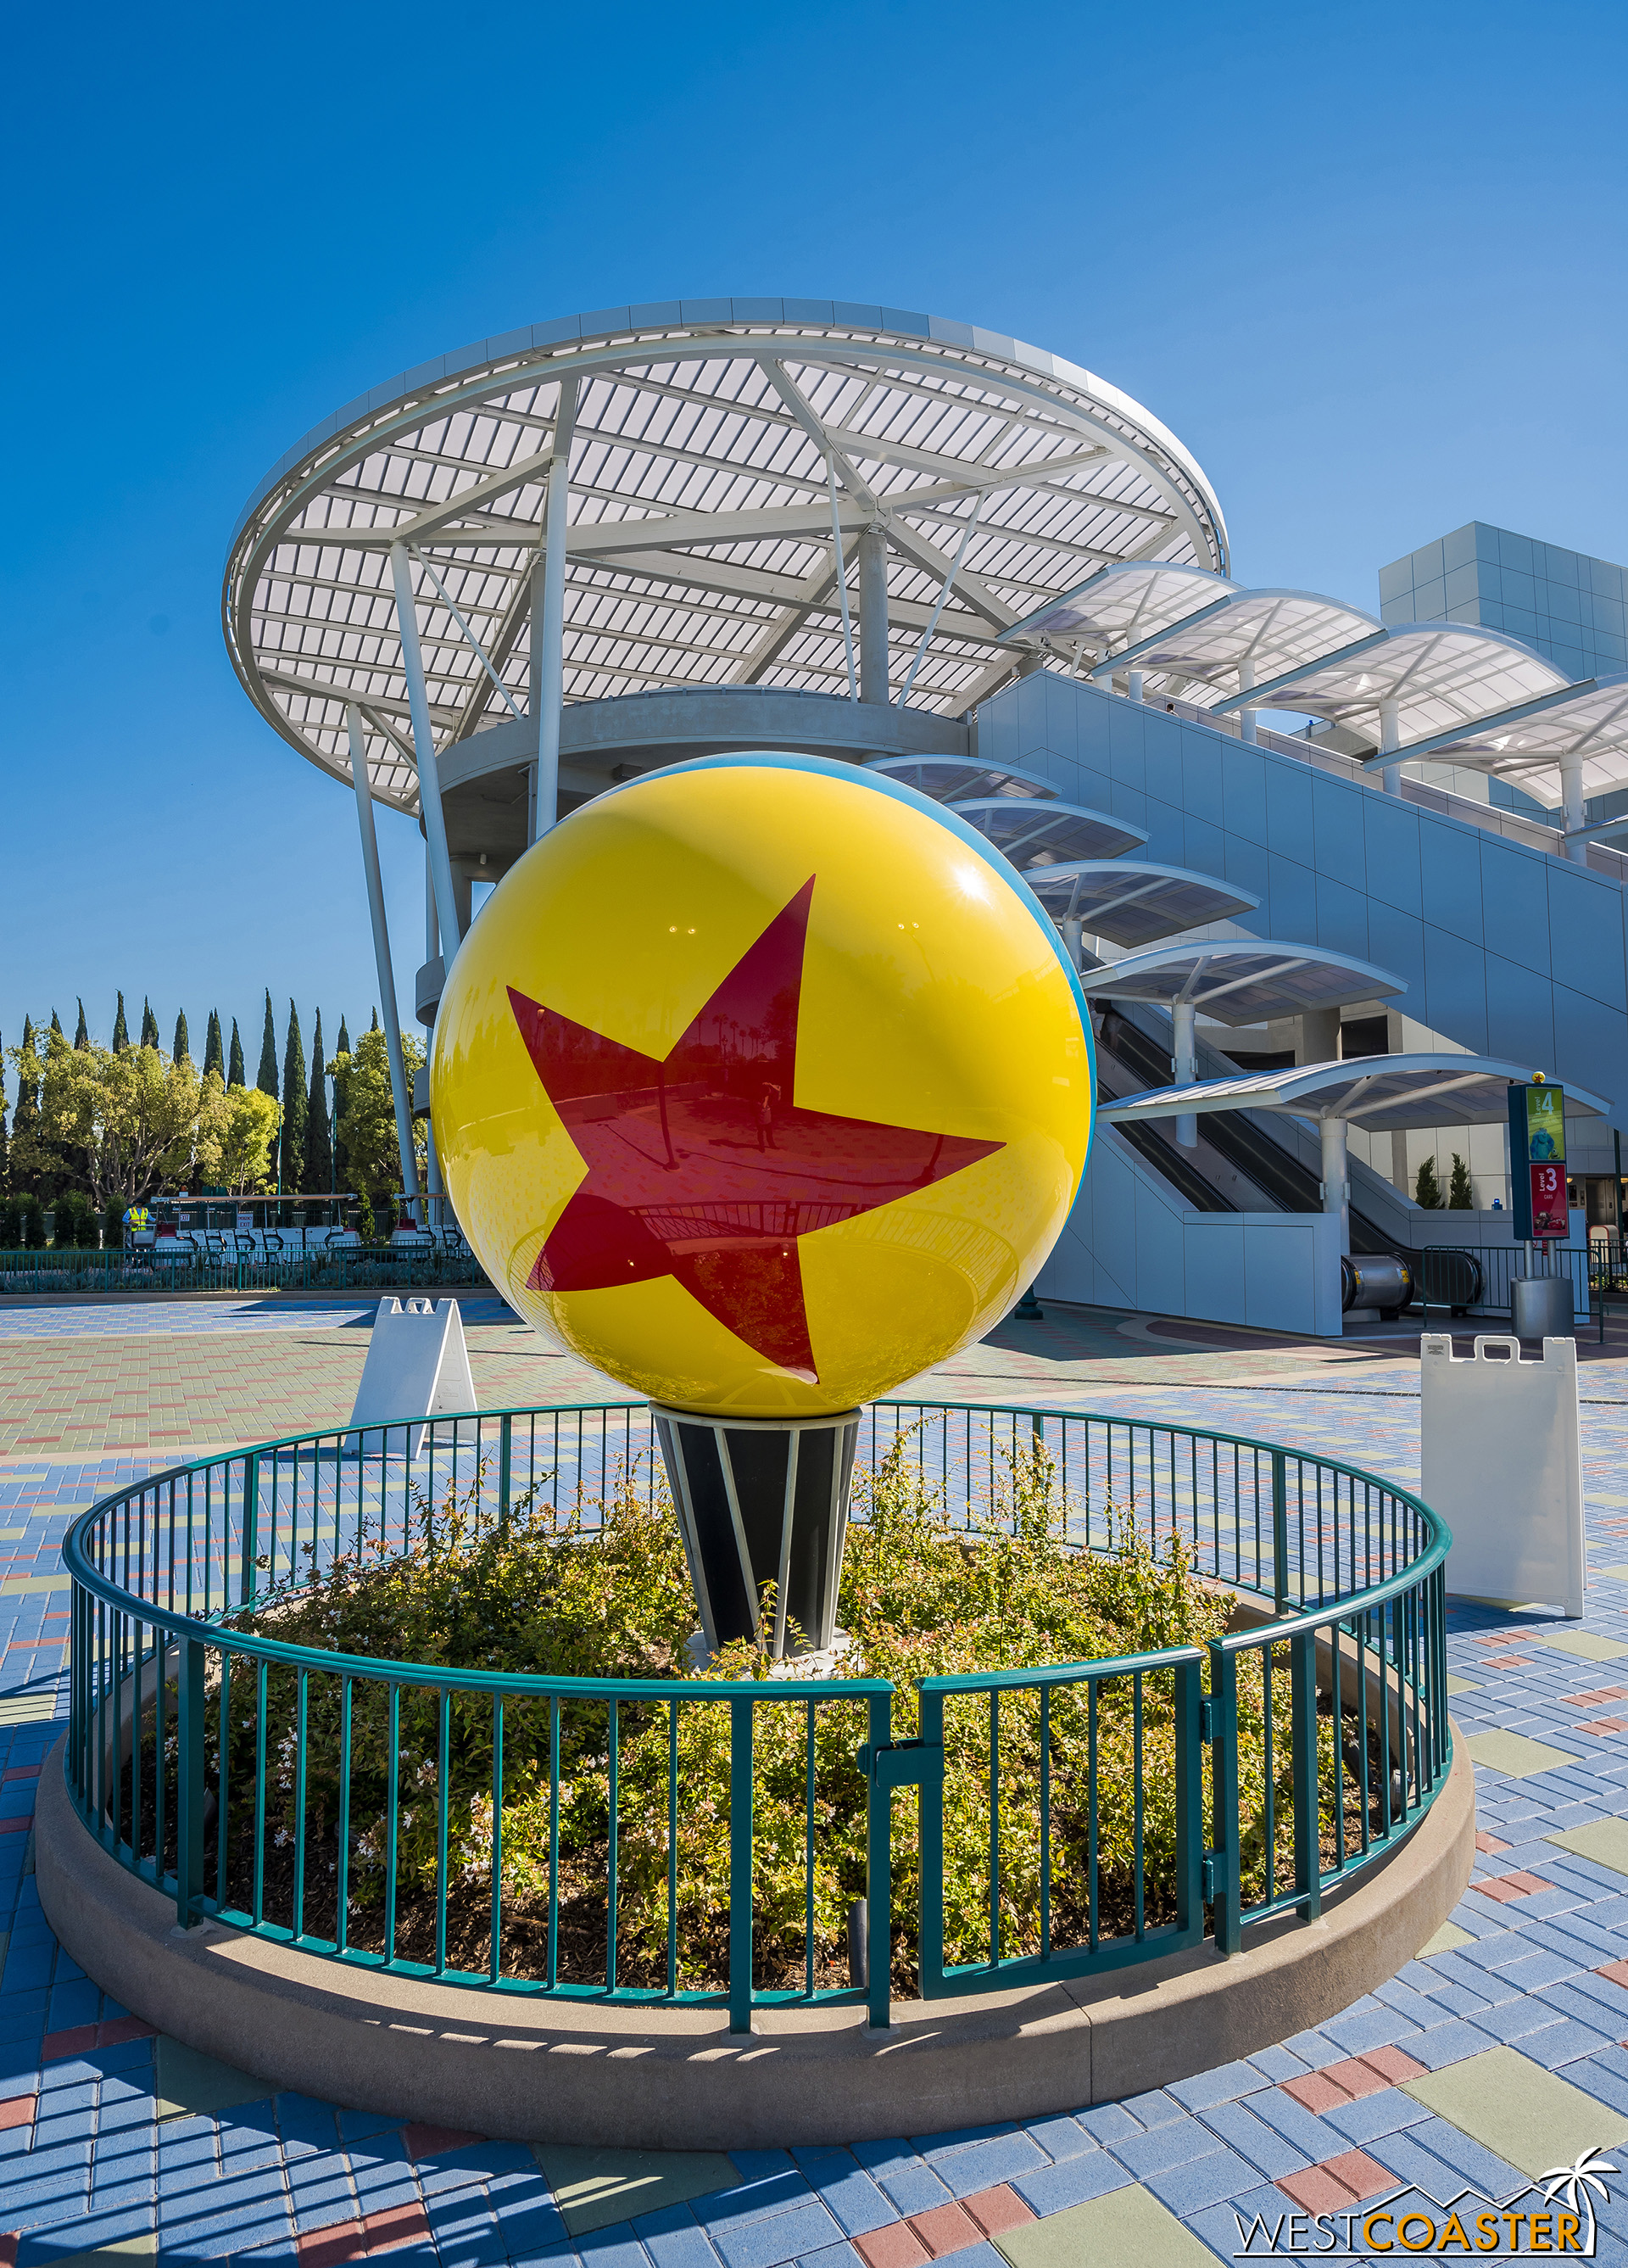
point(704, 1166)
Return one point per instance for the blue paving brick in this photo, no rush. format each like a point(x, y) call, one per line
point(1449, 2043)
point(909, 2183)
point(1108, 2123)
point(1060, 2138)
point(1266, 2149)
point(935, 2146)
point(966, 2172)
point(1467, 2157)
point(674, 2239)
point(1313, 2138)
point(1155, 2108)
point(847, 2191)
point(1375, 2026)
point(1163, 2145)
point(1224, 2084)
point(1373, 2115)
point(1199, 2182)
point(1277, 2064)
point(1072, 2182)
point(782, 2236)
point(737, 2208)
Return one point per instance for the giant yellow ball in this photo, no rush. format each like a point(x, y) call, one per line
point(762, 1084)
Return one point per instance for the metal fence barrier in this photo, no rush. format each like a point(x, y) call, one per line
point(366, 1267)
point(671, 1839)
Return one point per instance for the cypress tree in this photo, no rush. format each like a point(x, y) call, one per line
point(267, 1078)
point(180, 1050)
point(25, 1117)
point(234, 1075)
point(291, 1154)
point(5, 1146)
point(373, 1026)
point(1427, 1188)
point(213, 1059)
point(342, 1160)
point(121, 1030)
point(318, 1133)
point(82, 1037)
point(56, 1026)
point(149, 1025)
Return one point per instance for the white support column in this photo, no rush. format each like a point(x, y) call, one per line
point(1072, 931)
point(1335, 1187)
point(1391, 737)
point(1133, 683)
point(1572, 801)
point(424, 746)
point(548, 635)
point(1185, 1064)
point(387, 1009)
point(873, 617)
point(1246, 717)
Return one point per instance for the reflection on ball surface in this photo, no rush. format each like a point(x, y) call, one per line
point(762, 1084)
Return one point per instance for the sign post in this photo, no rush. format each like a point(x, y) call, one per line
point(1539, 1304)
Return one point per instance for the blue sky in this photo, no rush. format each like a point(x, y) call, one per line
point(1367, 263)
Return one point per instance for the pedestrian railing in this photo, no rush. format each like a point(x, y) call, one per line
point(365, 1267)
point(709, 1839)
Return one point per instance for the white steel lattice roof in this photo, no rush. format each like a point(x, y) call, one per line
point(1121, 606)
point(1133, 901)
point(707, 440)
point(1239, 641)
point(1440, 675)
point(1586, 725)
point(1243, 980)
point(1384, 1093)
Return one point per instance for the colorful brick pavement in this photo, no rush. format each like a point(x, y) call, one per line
point(1496, 2054)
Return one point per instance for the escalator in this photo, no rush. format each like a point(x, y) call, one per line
point(1275, 1171)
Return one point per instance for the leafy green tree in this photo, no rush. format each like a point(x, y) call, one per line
point(1460, 1194)
point(213, 1058)
point(134, 1123)
point(266, 1079)
point(5, 1152)
point(368, 1125)
point(235, 1073)
point(82, 1037)
point(1426, 1189)
point(149, 1024)
point(237, 1155)
point(340, 1164)
point(121, 1030)
point(319, 1133)
point(296, 1108)
point(180, 1050)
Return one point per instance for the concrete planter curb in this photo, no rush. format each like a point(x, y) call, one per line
point(529, 2068)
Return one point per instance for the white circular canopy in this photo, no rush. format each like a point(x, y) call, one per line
point(707, 439)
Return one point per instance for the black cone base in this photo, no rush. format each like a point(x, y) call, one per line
point(762, 1500)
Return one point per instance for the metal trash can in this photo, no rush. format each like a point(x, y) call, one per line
point(1541, 1307)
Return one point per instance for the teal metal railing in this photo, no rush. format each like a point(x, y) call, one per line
point(701, 1839)
point(315, 1268)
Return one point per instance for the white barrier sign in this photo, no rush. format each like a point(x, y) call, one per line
point(1500, 1459)
point(417, 1366)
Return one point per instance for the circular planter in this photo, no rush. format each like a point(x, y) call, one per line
point(532, 2068)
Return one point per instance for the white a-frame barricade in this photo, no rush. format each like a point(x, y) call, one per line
point(1502, 1461)
point(417, 1366)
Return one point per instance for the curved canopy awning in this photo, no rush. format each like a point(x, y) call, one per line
point(1120, 606)
point(1241, 641)
point(721, 457)
point(1585, 726)
point(1033, 834)
point(1440, 675)
point(1132, 902)
point(1243, 980)
point(952, 778)
point(1381, 1094)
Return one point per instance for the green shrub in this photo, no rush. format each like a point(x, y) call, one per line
point(113, 1225)
point(32, 1223)
point(605, 1591)
point(11, 1225)
point(65, 1220)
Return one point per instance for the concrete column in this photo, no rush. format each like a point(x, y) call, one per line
point(388, 1013)
point(424, 746)
point(873, 617)
point(1572, 805)
point(1398, 1164)
point(548, 625)
point(1319, 1036)
point(432, 927)
point(1185, 1062)
point(1246, 717)
point(1391, 737)
point(1133, 683)
point(1336, 1189)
